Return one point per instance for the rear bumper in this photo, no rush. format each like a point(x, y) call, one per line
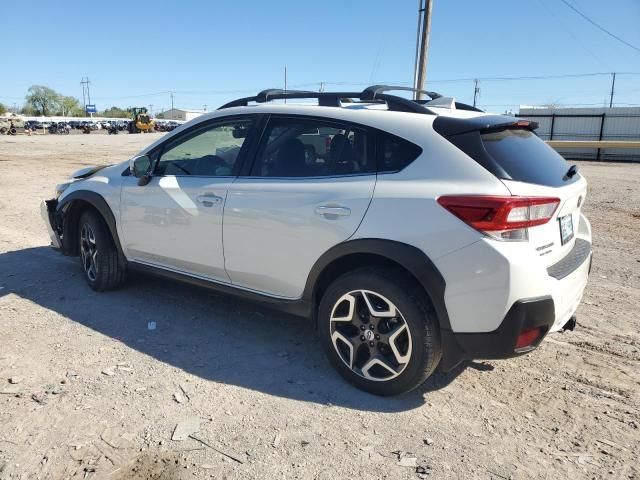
point(48, 213)
point(494, 291)
point(501, 343)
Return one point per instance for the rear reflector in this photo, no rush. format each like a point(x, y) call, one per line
point(502, 217)
point(527, 338)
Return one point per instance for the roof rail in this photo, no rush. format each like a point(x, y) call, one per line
point(373, 94)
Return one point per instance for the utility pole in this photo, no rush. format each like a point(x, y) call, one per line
point(421, 75)
point(151, 108)
point(285, 82)
point(476, 90)
point(86, 93)
point(613, 84)
point(415, 62)
point(205, 107)
point(321, 87)
point(172, 112)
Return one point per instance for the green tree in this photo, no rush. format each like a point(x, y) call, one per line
point(3, 109)
point(115, 112)
point(28, 111)
point(43, 100)
point(70, 107)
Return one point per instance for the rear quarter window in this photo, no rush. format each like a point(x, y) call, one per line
point(395, 153)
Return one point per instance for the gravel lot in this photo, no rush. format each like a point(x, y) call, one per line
point(88, 391)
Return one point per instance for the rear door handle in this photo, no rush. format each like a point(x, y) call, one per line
point(209, 199)
point(332, 210)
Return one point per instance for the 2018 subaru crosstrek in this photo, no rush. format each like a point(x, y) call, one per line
point(415, 234)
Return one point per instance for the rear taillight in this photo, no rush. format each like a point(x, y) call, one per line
point(501, 217)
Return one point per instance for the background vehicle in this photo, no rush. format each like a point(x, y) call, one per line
point(418, 236)
point(141, 122)
point(11, 125)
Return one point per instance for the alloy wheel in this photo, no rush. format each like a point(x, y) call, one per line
point(89, 251)
point(370, 335)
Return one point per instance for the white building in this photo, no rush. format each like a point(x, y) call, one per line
point(180, 114)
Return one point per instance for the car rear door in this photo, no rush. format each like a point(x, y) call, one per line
point(296, 202)
point(175, 221)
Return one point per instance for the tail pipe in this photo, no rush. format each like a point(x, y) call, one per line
point(570, 325)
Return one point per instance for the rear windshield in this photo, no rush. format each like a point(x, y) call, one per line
point(526, 158)
point(515, 154)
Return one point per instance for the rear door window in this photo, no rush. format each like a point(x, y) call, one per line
point(305, 147)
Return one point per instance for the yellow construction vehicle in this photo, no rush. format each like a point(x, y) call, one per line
point(141, 121)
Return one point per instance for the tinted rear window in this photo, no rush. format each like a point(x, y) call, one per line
point(515, 154)
point(526, 158)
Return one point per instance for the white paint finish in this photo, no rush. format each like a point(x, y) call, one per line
point(486, 278)
point(405, 207)
point(165, 224)
point(273, 235)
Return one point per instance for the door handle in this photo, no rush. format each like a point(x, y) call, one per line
point(333, 210)
point(209, 199)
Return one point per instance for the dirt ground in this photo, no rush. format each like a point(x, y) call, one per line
point(97, 394)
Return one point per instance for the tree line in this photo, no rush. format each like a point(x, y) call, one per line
point(44, 101)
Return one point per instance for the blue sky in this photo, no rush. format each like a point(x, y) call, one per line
point(209, 52)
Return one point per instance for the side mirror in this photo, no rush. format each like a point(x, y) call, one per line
point(140, 167)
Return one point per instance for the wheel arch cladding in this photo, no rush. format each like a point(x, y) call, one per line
point(353, 254)
point(71, 207)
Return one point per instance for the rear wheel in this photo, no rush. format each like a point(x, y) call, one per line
point(379, 331)
point(99, 256)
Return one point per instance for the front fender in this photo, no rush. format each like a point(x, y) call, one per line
point(68, 212)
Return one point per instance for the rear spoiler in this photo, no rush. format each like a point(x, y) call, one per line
point(448, 126)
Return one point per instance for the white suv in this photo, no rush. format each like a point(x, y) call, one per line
point(413, 234)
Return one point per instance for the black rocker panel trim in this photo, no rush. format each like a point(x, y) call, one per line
point(294, 307)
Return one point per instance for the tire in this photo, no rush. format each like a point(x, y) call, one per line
point(386, 291)
point(99, 258)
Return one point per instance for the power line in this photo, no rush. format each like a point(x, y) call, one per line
point(566, 28)
point(599, 27)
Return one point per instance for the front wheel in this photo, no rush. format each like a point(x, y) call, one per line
point(379, 331)
point(99, 256)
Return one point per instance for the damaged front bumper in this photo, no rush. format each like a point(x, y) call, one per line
point(48, 211)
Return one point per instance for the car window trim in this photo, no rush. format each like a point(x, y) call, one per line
point(173, 141)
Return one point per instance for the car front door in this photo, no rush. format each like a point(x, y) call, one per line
point(175, 221)
point(310, 185)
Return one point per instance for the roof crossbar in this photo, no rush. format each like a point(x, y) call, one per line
point(372, 94)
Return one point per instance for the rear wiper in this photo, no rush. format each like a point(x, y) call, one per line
point(573, 169)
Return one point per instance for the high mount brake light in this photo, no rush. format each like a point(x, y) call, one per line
point(502, 217)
